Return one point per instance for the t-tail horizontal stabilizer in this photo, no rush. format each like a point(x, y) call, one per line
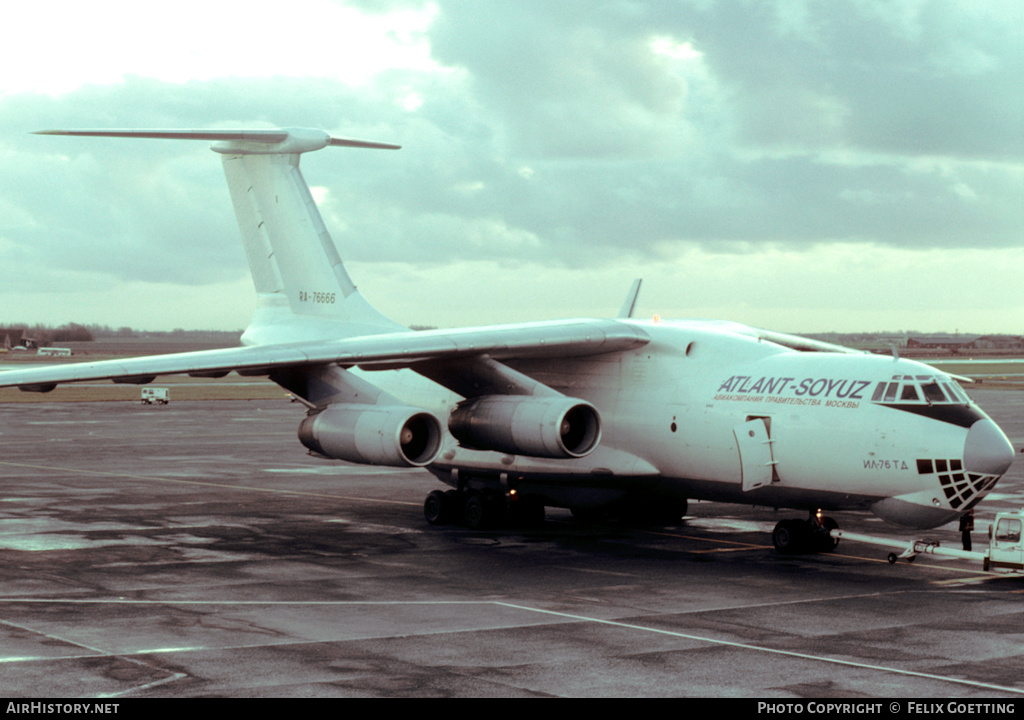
point(278, 140)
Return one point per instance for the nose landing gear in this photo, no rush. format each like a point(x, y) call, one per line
point(797, 537)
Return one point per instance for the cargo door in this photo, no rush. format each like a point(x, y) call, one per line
point(757, 461)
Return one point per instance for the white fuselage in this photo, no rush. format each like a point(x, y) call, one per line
point(705, 412)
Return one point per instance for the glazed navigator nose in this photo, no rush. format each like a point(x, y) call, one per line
point(987, 451)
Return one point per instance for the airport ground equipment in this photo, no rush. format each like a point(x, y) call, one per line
point(156, 396)
point(1004, 554)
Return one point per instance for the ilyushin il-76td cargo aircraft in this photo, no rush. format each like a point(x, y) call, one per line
point(618, 415)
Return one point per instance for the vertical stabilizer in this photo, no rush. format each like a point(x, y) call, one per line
point(295, 265)
point(303, 291)
point(302, 287)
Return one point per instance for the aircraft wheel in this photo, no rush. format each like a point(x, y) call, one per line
point(438, 508)
point(790, 537)
point(480, 512)
point(893, 558)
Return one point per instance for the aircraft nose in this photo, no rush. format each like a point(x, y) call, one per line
point(987, 451)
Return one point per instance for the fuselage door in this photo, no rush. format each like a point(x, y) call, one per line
point(757, 462)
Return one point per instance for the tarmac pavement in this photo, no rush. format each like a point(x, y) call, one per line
point(196, 550)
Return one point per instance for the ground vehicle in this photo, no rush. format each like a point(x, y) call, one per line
point(156, 396)
point(1005, 551)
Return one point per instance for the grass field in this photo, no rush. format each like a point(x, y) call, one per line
point(182, 387)
point(991, 374)
point(1004, 367)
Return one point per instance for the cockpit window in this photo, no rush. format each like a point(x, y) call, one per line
point(920, 389)
point(956, 392)
point(890, 392)
point(933, 393)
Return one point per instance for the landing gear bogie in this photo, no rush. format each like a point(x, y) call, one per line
point(790, 537)
point(797, 537)
point(481, 509)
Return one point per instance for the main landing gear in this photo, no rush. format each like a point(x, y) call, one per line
point(796, 537)
point(481, 509)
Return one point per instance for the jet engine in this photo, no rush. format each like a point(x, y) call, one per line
point(373, 434)
point(547, 427)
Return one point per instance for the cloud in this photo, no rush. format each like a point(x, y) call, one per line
point(561, 88)
point(583, 138)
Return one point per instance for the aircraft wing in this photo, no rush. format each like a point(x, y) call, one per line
point(390, 350)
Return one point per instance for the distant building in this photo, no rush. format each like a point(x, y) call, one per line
point(942, 342)
point(999, 342)
point(15, 337)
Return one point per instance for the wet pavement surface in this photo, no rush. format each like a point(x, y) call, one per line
point(196, 550)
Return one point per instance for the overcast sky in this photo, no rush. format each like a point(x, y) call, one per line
point(801, 166)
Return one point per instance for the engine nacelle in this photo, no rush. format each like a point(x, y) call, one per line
point(547, 427)
point(373, 434)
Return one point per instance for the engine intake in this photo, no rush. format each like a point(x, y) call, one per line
point(373, 435)
point(547, 427)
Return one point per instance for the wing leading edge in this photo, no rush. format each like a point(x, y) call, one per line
point(401, 349)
